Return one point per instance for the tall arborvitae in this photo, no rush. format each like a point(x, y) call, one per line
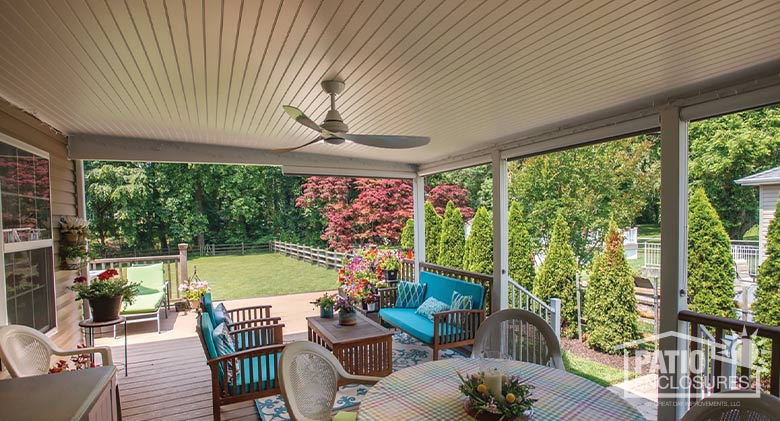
point(432, 233)
point(556, 277)
point(767, 304)
point(407, 235)
point(710, 264)
point(452, 240)
point(478, 256)
point(610, 303)
point(521, 255)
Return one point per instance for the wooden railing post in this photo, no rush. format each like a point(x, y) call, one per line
point(182, 264)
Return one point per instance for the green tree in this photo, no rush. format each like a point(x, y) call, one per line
point(767, 304)
point(433, 224)
point(610, 303)
point(478, 255)
point(115, 194)
point(710, 265)
point(556, 277)
point(521, 255)
point(452, 240)
point(590, 185)
point(407, 235)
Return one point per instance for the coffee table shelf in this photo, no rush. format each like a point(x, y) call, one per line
point(364, 349)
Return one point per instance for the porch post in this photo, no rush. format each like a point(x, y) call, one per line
point(674, 257)
point(499, 296)
point(418, 191)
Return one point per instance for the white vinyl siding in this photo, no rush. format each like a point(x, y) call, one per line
point(766, 208)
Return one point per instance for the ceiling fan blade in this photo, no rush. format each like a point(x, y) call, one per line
point(301, 118)
point(388, 142)
point(285, 150)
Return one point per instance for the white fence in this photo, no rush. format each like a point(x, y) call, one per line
point(523, 299)
point(745, 255)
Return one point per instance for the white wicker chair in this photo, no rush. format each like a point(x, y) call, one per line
point(28, 352)
point(310, 378)
point(519, 335)
point(724, 406)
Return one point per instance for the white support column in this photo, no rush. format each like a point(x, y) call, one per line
point(418, 191)
point(499, 296)
point(674, 256)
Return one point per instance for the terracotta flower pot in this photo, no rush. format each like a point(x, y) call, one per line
point(105, 309)
point(347, 318)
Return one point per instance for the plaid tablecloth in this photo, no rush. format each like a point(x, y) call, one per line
point(429, 391)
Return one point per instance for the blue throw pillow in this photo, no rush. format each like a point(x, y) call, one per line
point(410, 294)
point(221, 315)
point(460, 301)
point(226, 346)
point(431, 306)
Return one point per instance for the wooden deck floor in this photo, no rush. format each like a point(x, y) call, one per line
point(169, 380)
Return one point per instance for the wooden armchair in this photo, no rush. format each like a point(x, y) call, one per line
point(242, 317)
point(258, 353)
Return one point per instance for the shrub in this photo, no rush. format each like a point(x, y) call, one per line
point(766, 307)
point(478, 256)
point(407, 235)
point(556, 276)
point(432, 233)
point(610, 303)
point(452, 240)
point(710, 265)
point(751, 234)
point(521, 255)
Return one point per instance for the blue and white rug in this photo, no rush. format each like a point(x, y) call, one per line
point(407, 352)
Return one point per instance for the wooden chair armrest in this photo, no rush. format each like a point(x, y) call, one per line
point(258, 336)
point(249, 313)
point(387, 297)
point(254, 322)
point(267, 356)
point(104, 351)
point(456, 325)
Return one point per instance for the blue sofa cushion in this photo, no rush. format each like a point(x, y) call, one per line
point(430, 306)
point(208, 334)
point(441, 288)
point(410, 294)
point(263, 376)
point(208, 305)
point(412, 323)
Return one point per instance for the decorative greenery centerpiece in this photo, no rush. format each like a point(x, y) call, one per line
point(492, 395)
point(325, 304)
point(105, 294)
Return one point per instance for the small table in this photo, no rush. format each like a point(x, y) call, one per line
point(89, 330)
point(365, 349)
point(430, 391)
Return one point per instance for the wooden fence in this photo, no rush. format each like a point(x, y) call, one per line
point(233, 249)
point(327, 258)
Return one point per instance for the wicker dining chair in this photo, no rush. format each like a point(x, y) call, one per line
point(310, 378)
point(734, 405)
point(518, 335)
point(27, 352)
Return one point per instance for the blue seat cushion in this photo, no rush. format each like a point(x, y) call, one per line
point(263, 376)
point(412, 323)
point(441, 287)
point(245, 340)
point(208, 305)
point(208, 334)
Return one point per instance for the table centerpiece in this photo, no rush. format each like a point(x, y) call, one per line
point(492, 395)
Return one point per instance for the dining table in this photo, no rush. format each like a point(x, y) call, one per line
point(429, 391)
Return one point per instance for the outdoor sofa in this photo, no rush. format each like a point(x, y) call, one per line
point(448, 329)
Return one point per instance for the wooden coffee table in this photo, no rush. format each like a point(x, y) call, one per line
point(364, 349)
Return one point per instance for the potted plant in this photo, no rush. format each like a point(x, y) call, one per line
point(74, 230)
point(193, 290)
point(73, 255)
point(346, 309)
point(105, 294)
point(390, 263)
point(325, 303)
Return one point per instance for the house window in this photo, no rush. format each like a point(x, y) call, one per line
point(28, 263)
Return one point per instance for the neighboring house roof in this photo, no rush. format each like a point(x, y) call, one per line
point(764, 177)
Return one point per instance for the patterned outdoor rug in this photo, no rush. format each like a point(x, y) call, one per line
point(407, 352)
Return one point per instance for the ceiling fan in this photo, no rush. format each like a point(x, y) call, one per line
point(335, 132)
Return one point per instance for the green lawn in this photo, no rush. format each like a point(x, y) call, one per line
point(649, 231)
point(594, 371)
point(260, 275)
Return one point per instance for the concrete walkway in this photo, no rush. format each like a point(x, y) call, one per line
point(642, 393)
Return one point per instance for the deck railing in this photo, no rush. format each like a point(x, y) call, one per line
point(327, 258)
point(523, 299)
point(174, 267)
point(717, 339)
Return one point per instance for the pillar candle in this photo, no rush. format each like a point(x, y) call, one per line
point(493, 382)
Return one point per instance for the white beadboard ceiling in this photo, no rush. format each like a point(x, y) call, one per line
point(464, 72)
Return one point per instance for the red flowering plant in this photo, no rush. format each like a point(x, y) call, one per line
point(80, 361)
point(107, 284)
point(360, 276)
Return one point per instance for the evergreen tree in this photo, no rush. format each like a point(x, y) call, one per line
point(610, 303)
point(521, 255)
point(452, 240)
point(432, 233)
point(767, 304)
point(556, 277)
point(710, 265)
point(407, 235)
point(478, 256)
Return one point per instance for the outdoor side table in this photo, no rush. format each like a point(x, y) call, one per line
point(89, 331)
point(365, 349)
